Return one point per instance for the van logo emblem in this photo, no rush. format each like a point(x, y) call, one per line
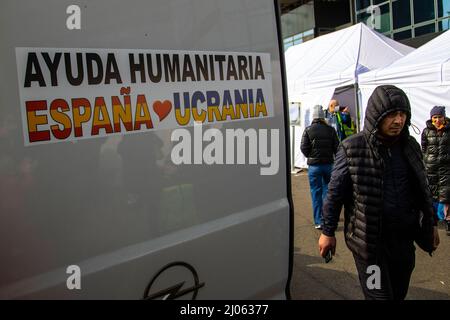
point(184, 278)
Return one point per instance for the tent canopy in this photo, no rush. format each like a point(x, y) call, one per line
point(336, 59)
point(317, 67)
point(424, 75)
point(427, 66)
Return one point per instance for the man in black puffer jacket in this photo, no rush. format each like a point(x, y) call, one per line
point(319, 145)
point(436, 150)
point(379, 177)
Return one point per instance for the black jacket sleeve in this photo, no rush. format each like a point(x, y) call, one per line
point(335, 141)
point(339, 192)
point(424, 141)
point(305, 145)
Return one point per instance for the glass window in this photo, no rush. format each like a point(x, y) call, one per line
point(383, 23)
point(362, 17)
point(287, 45)
point(429, 28)
point(309, 33)
point(443, 8)
point(307, 38)
point(423, 10)
point(298, 38)
point(402, 35)
point(444, 25)
point(401, 13)
point(362, 4)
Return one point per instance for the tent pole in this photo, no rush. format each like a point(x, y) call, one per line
point(358, 111)
point(293, 150)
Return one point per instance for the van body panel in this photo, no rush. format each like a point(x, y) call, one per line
point(117, 206)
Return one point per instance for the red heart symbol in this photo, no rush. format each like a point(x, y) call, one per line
point(162, 109)
point(125, 90)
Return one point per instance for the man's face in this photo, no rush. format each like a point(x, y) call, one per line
point(392, 125)
point(332, 105)
point(438, 120)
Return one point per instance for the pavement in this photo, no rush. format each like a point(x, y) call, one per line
point(313, 279)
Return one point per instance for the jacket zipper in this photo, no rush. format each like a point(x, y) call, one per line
point(380, 217)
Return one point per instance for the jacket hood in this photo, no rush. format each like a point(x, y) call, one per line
point(384, 100)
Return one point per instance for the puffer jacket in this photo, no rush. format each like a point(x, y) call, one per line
point(319, 143)
point(436, 151)
point(357, 178)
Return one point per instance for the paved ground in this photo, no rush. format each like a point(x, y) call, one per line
point(313, 279)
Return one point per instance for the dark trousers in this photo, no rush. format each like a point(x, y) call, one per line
point(396, 262)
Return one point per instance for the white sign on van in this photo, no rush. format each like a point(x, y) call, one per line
point(72, 94)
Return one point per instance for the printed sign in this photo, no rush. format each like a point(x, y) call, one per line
point(72, 94)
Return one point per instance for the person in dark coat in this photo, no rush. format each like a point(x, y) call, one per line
point(436, 151)
point(319, 144)
point(380, 179)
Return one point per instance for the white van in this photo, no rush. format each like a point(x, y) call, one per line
point(144, 150)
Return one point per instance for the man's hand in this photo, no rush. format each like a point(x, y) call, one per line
point(325, 244)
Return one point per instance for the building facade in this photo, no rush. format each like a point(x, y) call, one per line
point(412, 22)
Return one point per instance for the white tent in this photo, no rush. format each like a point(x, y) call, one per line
point(319, 66)
point(423, 74)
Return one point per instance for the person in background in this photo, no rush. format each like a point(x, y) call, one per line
point(331, 118)
point(346, 125)
point(436, 151)
point(319, 144)
point(380, 179)
point(339, 118)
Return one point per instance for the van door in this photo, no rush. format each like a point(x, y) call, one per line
point(144, 151)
